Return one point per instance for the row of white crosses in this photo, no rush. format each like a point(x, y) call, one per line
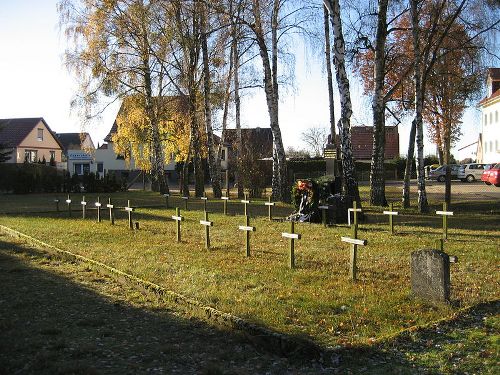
point(111, 208)
point(225, 201)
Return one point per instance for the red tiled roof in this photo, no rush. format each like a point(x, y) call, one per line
point(487, 99)
point(14, 130)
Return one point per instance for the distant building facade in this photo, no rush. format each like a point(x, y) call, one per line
point(258, 141)
point(78, 153)
point(31, 140)
point(488, 150)
point(362, 142)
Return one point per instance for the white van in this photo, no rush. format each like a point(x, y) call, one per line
point(471, 172)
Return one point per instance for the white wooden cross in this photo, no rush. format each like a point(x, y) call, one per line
point(445, 213)
point(247, 229)
point(292, 236)
point(185, 203)
point(354, 242)
point(178, 218)
point(129, 210)
point(207, 225)
point(98, 205)
point(68, 202)
point(111, 215)
point(354, 211)
point(225, 199)
point(391, 214)
point(270, 206)
point(204, 199)
point(246, 201)
point(166, 199)
point(323, 213)
point(84, 206)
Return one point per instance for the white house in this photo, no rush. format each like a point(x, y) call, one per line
point(488, 150)
point(78, 153)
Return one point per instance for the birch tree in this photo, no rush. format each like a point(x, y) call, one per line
point(114, 53)
point(344, 124)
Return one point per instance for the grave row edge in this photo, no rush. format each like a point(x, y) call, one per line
point(260, 336)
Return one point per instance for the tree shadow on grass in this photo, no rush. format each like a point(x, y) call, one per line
point(58, 317)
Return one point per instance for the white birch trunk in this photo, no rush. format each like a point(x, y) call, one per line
point(348, 168)
point(419, 105)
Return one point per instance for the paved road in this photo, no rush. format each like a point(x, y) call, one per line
point(472, 191)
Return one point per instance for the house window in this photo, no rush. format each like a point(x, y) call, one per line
point(40, 134)
point(485, 119)
point(491, 117)
point(52, 155)
point(491, 146)
point(223, 155)
point(82, 169)
point(496, 116)
point(100, 167)
point(31, 156)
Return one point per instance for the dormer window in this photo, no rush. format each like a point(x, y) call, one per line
point(40, 134)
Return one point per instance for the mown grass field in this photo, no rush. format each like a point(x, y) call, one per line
point(316, 300)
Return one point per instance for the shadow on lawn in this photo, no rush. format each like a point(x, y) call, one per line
point(51, 323)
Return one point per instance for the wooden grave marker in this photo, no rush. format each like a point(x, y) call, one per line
point(245, 202)
point(391, 214)
point(354, 242)
point(111, 208)
point(204, 199)
point(166, 199)
point(324, 209)
point(270, 206)
point(354, 211)
point(292, 236)
point(68, 202)
point(98, 206)
point(178, 218)
point(445, 213)
point(225, 200)
point(207, 224)
point(186, 203)
point(129, 211)
point(84, 207)
point(247, 229)
point(56, 201)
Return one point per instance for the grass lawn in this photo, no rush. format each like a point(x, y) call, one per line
point(315, 300)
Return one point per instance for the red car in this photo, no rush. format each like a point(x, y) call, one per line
point(492, 175)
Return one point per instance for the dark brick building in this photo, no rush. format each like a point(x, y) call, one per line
point(362, 142)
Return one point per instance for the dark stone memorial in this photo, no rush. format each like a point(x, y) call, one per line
point(430, 275)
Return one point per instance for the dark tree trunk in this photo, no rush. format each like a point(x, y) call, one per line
point(377, 170)
point(213, 159)
point(409, 165)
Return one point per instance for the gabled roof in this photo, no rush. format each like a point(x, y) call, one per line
point(260, 140)
point(72, 141)
point(14, 130)
point(486, 100)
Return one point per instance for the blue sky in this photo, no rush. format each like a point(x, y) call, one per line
point(34, 83)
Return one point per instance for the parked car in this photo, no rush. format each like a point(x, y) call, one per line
point(471, 172)
point(492, 175)
point(439, 174)
point(428, 169)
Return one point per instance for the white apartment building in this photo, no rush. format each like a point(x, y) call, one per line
point(488, 150)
